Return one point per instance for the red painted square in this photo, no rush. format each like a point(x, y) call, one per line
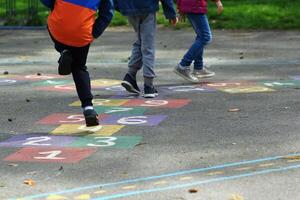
point(67, 118)
point(167, 103)
point(37, 77)
point(52, 155)
point(58, 88)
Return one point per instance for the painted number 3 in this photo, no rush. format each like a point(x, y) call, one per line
point(103, 142)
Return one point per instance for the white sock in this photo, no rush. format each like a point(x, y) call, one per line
point(88, 108)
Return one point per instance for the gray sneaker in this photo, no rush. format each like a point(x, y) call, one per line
point(185, 73)
point(204, 73)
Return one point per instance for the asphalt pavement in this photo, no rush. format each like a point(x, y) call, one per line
point(232, 137)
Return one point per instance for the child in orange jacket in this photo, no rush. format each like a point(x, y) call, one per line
point(73, 26)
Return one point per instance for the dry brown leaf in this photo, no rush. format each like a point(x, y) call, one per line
point(30, 182)
point(236, 197)
point(292, 157)
point(193, 190)
point(233, 110)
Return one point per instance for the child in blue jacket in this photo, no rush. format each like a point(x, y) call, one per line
point(142, 16)
point(73, 25)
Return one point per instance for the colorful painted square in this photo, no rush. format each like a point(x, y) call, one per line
point(282, 84)
point(52, 82)
point(50, 155)
point(119, 110)
point(82, 130)
point(102, 83)
point(296, 77)
point(115, 88)
point(247, 89)
point(227, 84)
point(168, 103)
point(36, 140)
point(187, 88)
point(104, 102)
point(126, 95)
point(143, 120)
point(58, 88)
point(124, 142)
point(34, 77)
point(66, 118)
point(4, 82)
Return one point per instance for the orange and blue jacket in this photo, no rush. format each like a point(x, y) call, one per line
point(75, 22)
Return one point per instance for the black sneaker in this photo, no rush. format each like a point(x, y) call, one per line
point(150, 91)
point(65, 63)
point(130, 84)
point(91, 117)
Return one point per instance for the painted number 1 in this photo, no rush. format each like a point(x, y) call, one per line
point(51, 155)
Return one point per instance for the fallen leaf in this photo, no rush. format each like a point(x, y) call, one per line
point(31, 173)
point(292, 157)
point(13, 164)
point(140, 144)
point(236, 197)
point(30, 182)
point(233, 110)
point(193, 190)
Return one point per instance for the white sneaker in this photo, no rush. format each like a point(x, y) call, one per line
point(204, 73)
point(185, 73)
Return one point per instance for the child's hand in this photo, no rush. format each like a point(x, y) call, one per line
point(220, 7)
point(173, 22)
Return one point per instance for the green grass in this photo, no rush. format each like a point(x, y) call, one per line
point(238, 14)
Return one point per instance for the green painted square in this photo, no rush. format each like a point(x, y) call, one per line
point(119, 110)
point(282, 84)
point(52, 82)
point(120, 142)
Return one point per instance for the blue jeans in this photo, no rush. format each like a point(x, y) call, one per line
point(204, 37)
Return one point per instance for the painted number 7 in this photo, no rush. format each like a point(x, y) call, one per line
point(103, 142)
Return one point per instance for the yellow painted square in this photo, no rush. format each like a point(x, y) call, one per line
point(78, 129)
point(104, 102)
point(105, 82)
point(246, 89)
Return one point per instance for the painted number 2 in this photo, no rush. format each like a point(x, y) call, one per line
point(51, 155)
point(36, 141)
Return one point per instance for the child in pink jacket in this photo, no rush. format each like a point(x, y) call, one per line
point(195, 11)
